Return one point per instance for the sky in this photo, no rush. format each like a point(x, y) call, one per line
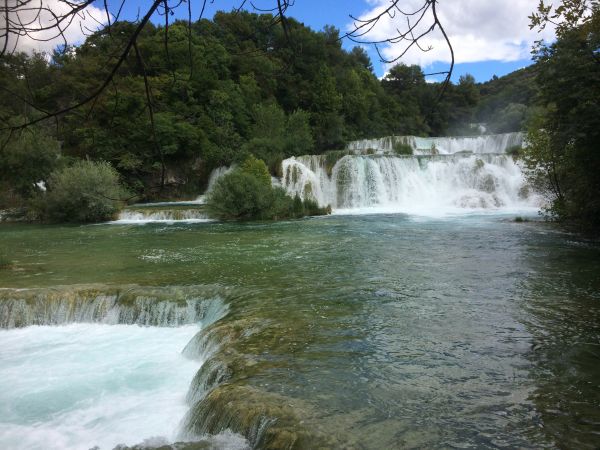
point(489, 37)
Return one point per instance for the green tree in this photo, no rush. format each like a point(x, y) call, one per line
point(246, 193)
point(87, 191)
point(27, 160)
point(569, 81)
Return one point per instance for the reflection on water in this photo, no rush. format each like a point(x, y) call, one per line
point(370, 332)
point(561, 310)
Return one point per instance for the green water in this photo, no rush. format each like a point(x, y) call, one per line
point(369, 331)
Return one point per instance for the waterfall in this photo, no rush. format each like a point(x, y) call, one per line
point(148, 215)
point(212, 179)
point(420, 184)
point(92, 376)
point(164, 307)
point(494, 143)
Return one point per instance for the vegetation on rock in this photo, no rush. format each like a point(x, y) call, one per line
point(246, 193)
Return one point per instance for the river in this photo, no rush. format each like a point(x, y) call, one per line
point(347, 331)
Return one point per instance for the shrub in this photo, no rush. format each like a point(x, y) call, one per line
point(239, 195)
point(401, 148)
point(85, 192)
point(257, 168)
point(312, 208)
point(26, 160)
point(245, 194)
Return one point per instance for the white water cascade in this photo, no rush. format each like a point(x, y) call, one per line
point(143, 216)
point(493, 143)
point(420, 184)
point(212, 179)
point(100, 367)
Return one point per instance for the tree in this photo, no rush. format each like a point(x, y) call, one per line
point(43, 22)
point(27, 162)
point(87, 191)
point(246, 193)
point(565, 141)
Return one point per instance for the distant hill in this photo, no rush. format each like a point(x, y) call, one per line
point(506, 102)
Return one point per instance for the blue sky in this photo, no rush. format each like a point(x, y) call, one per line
point(489, 37)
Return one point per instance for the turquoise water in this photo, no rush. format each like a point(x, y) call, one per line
point(381, 331)
point(66, 387)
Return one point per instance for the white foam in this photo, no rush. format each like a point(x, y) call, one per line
point(444, 145)
point(432, 186)
point(163, 221)
point(138, 217)
point(85, 385)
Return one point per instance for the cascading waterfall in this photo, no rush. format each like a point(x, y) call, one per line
point(423, 184)
point(162, 307)
point(114, 371)
point(141, 216)
point(212, 179)
point(171, 212)
point(493, 143)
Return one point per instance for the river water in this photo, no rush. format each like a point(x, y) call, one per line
point(365, 331)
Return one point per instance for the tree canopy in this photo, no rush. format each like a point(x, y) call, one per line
point(222, 89)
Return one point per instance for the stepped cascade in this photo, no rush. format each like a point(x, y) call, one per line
point(165, 215)
point(371, 176)
point(49, 329)
point(492, 143)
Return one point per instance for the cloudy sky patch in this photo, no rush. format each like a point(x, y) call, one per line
point(41, 40)
point(479, 30)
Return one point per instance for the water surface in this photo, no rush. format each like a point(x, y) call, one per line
point(374, 332)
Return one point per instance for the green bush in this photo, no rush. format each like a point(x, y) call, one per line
point(246, 193)
point(84, 192)
point(257, 168)
point(27, 159)
point(401, 148)
point(239, 196)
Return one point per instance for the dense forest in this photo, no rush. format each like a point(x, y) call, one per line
point(241, 88)
point(221, 90)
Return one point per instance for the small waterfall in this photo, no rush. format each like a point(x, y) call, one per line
point(212, 179)
point(147, 215)
point(410, 184)
point(164, 307)
point(493, 143)
point(216, 174)
point(152, 374)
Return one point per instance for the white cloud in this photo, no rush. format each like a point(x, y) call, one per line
point(479, 30)
point(74, 30)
